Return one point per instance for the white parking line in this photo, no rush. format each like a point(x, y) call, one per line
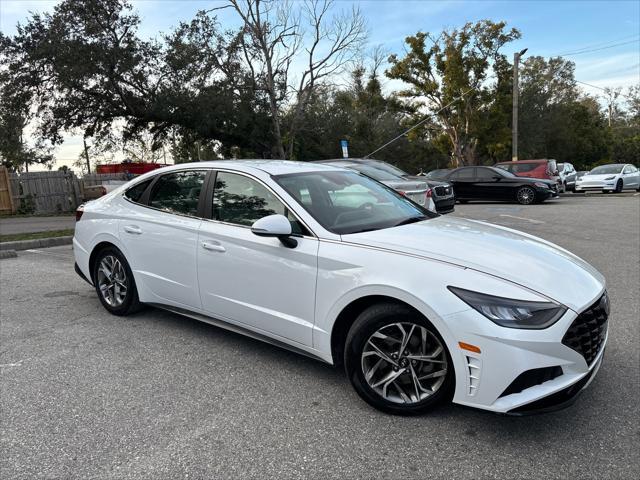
point(42, 252)
point(522, 218)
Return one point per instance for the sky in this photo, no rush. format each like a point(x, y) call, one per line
point(608, 32)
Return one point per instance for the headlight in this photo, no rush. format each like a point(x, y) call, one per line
point(610, 178)
point(541, 185)
point(511, 313)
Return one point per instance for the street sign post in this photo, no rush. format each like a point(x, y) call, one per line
point(345, 148)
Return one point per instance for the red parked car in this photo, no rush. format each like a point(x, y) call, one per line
point(545, 168)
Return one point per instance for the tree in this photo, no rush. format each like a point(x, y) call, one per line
point(83, 68)
point(452, 75)
point(273, 39)
point(556, 120)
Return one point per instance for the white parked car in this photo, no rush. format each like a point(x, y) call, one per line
point(615, 177)
point(419, 308)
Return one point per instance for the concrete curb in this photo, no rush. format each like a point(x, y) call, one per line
point(38, 243)
point(8, 254)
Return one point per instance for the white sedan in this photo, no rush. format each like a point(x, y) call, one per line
point(615, 177)
point(419, 308)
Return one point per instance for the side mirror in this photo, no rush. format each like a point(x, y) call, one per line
point(275, 226)
point(497, 177)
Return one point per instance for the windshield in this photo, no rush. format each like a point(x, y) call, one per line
point(440, 174)
point(605, 169)
point(348, 202)
point(387, 167)
point(560, 167)
point(373, 172)
point(501, 171)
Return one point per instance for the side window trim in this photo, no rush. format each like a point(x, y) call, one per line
point(210, 193)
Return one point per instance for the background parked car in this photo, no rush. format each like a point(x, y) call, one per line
point(490, 183)
point(442, 193)
point(416, 191)
point(614, 177)
point(544, 168)
point(568, 176)
point(439, 174)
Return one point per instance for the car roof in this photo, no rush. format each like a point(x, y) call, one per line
point(539, 160)
point(272, 167)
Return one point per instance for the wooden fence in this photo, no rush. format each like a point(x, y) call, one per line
point(46, 192)
point(6, 197)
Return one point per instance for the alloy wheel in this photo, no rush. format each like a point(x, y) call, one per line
point(112, 281)
point(404, 363)
point(526, 196)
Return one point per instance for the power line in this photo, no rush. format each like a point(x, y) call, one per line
point(569, 54)
point(417, 124)
point(598, 45)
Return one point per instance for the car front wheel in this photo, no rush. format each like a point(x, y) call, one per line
point(525, 195)
point(397, 361)
point(618, 186)
point(114, 282)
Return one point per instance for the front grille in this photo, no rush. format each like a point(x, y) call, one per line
point(443, 191)
point(588, 331)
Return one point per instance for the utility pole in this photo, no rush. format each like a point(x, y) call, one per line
point(514, 127)
point(86, 154)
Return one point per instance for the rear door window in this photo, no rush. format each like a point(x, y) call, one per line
point(178, 192)
point(135, 193)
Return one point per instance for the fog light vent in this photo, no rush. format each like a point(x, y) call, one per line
point(531, 378)
point(474, 366)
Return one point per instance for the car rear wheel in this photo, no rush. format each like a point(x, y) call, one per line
point(114, 282)
point(397, 361)
point(526, 195)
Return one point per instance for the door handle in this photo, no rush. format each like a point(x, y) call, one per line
point(213, 247)
point(133, 229)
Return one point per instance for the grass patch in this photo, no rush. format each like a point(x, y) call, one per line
point(36, 235)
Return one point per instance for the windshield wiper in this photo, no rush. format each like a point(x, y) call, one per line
point(409, 220)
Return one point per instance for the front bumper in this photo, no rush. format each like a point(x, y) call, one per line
point(486, 380)
point(595, 186)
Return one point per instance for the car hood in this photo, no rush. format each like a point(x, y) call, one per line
point(499, 251)
point(598, 177)
point(406, 185)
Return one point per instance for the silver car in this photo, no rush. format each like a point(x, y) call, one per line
point(417, 191)
point(442, 193)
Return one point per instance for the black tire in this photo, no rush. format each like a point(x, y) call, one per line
point(388, 315)
point(619, 186)
point(130, 302)
point(526, 195)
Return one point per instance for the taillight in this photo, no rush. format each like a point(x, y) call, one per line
point(402, 193)
point(103, 191)
point(79, 212)
point(429, 193)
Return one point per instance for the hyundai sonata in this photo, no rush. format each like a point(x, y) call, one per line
point(418, 308)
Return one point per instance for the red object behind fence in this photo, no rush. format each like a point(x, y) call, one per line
point(137, 168)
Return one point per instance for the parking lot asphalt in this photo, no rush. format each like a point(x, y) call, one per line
point(88, 395)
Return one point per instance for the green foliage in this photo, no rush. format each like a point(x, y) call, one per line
point(203, 93)
point(451, 72)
